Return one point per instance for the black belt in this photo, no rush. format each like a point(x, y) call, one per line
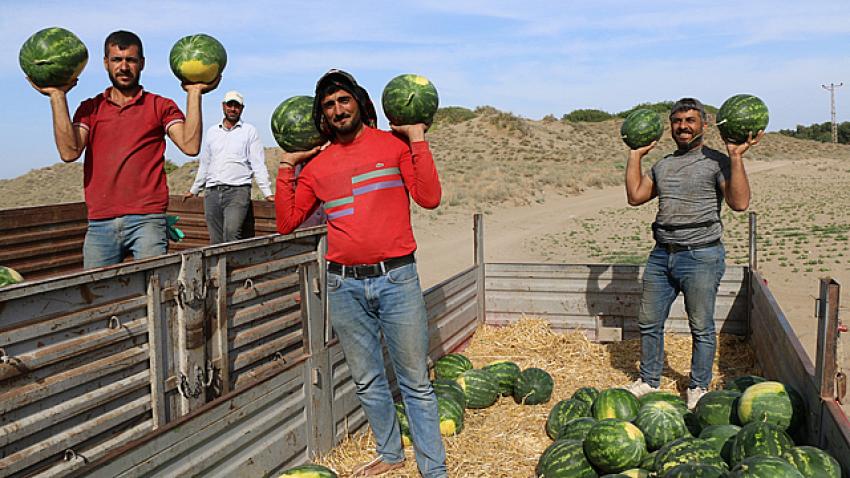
point(364, 271)
point(674, 248)
point(229, 186)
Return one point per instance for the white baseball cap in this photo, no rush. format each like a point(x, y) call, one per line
point(234, 96)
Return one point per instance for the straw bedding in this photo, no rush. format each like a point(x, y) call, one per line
point(506, 439)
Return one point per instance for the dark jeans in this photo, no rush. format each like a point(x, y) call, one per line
point(225, 208)
point(107, 240)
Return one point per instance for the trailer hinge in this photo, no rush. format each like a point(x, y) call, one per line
point(840, 386)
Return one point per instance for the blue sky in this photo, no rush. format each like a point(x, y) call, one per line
point(531, 57)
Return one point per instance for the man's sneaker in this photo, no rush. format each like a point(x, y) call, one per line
point(640, 388)
point(694, 394)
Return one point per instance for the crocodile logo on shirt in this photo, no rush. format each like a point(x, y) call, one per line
point(379, 165)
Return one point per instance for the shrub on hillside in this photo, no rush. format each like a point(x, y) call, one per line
point(170, 166)
point(820, 132)
point(453, 115)
point(589, 115)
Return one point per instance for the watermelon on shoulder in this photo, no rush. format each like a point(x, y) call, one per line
point(293, 127)
point(741, 116)
point(410, 99)
point(309, 471)
point(641, 127)
point(53, 57)
point(197, 58)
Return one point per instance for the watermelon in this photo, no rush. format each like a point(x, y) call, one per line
point(692, 422)
point(641, 127)
point(614, 445)
point(533, 386)
point(664, 396)
point(740, 116)
point(451, 366)
point(586, 394)
point(687, 450)
point(480, 388)
point(718, 407)
point(53, 57)
point(576, 429)
point(506, 373)
point(721, 437)
point(451, 416)
point(197, 58)
point(403, 423)
point(444, 387)
point(813, 462)
point(410, 99)
point(309, 471)
point(293, 127)
point(760, 438)
point(648, 462)
point(743, 382)
point(9, 276)
point(615, 403)
point(632, 473)
point(695, 470)
point(660, 423)
point(564, 459)
point(563, 412)
point(764, 467)
point(766, 401)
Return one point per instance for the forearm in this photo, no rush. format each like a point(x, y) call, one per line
point(67, 141)
point(738, 190)
point(191, 137)
point(288, 215)
point(426, 190)
point(637, 189)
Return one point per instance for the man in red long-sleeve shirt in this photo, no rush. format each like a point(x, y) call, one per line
point(365, 179)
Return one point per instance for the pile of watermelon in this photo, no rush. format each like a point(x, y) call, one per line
point(742, 431)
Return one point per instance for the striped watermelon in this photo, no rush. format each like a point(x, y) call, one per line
point(197, 58)
point(766, 401)
point(410, 99)
point(743, 382)
point(586, 394)
point(722, 438)
point(480, 388)
point(614, 445)
point(813, 462)
point(9, 276)
point(533, 386)
point(563, 412)
point(309, 471)
point(451, 416)
point(576, 429)
point(451, 366)
point(564, 458)
point(740, 116)
point(632, 473)
point(718, 407)
point(648, 462)
point(692, 422)
point(687, 450)
point(660, 423)
point(664, 396)
point(615, 403)
point(641, 127)
point(506, 373)
point(760, 438)
point(293, 127)
point(695, 470)
point(764, 467)
point(447, 388)
point(53, 57)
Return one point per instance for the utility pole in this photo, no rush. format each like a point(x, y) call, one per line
point(831, 88)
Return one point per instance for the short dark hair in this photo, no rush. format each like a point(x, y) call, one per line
point(687, 104)
point(123, 40)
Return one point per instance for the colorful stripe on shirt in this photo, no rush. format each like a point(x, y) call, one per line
point(335, 208)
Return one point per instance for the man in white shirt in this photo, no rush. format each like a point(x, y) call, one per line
point(231, 155)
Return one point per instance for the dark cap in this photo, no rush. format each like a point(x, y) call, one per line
point(687, 104)
point(344, 81)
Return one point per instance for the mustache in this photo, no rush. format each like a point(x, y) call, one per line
point(341, 116)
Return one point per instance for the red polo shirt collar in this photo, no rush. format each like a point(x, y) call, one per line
point(107, 95)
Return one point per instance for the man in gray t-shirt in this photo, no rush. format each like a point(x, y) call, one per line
point(688, 256)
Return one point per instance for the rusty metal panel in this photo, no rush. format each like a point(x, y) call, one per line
point(575, 296)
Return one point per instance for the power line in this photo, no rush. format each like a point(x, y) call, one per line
point(831, 88)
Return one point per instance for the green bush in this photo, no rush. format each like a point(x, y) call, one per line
point(590, 115)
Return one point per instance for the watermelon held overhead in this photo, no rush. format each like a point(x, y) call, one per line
point(740, 116)
point(410, 99)
point(293, 127)
point(53, 57)
point(197, 58)
point(641, 127)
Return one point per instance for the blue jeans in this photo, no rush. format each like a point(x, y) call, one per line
point(390, 305)
point(695, 273)
point(108, 240)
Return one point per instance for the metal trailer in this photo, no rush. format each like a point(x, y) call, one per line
point(220, 361)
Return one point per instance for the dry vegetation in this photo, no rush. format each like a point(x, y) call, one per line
point(506, 439)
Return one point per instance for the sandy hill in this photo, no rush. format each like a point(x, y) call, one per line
point(492, 159)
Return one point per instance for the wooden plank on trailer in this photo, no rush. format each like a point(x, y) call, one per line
point(458, 328)
point(283, 344)
point(158, 356)
point(191, 305)
point(245, 336)
point(251, 290)
point(268, 307)
point(221, 347)
point(448, 288)
point(253, 271)
point(835, 434)
point(452, 302)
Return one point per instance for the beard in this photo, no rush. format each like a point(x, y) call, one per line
point(351, 127)
point(123, 87)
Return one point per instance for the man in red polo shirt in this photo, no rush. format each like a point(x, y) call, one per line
point(122, 132)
